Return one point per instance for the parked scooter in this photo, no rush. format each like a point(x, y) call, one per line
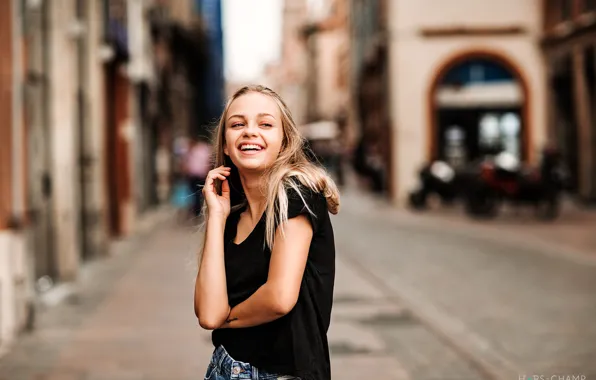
point(437, 178)
point(503, 179)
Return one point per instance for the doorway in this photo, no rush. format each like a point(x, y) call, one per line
point(479, 107)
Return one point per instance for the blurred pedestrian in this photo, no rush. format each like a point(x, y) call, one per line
point(267, 269)
point(197, 165)
point(368, 162)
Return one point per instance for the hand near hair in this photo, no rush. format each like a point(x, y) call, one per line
point(217, 204)
point(211, 298)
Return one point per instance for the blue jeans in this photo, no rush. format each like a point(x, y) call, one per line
point(224, 367)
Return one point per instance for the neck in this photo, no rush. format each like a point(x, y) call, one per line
point(253, 189)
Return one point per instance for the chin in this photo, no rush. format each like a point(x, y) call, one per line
point(245, 165)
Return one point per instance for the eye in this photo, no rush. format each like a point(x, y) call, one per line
point(268, 125)
point(234, 125)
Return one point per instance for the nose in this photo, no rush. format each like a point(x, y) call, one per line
point(250, 129)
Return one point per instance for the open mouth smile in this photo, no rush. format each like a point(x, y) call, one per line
point(250, 149)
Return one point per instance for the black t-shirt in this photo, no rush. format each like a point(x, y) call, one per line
point(295, 344)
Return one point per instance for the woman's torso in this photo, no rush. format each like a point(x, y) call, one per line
point(295, 344)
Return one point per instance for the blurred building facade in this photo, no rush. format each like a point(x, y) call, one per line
point(69, 96)
point(14, 273)
point(568, 41)
point(288, 76)
point(88, 119)
point(313, 72)
point(210, 97)
point(333, 73)
point(330, 126)
point(463, 78)
point(189, 84)
point(369, 92)
point(328, 48)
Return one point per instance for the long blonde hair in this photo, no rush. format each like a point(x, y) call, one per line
point(290, 169)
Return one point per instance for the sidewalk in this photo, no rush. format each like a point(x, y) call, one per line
point(131, 317)
point(145, 225)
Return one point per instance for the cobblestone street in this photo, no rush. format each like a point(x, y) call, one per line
point(415, 299)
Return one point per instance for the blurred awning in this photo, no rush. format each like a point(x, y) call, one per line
point(320, 130)
point(507, 94)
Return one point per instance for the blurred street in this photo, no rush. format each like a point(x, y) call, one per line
point(462, 137)
point(415, 298)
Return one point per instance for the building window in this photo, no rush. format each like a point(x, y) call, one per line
point(475, 71)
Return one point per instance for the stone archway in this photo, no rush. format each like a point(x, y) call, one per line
point(478, 102)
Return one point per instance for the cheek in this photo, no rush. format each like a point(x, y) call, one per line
point(278, 139)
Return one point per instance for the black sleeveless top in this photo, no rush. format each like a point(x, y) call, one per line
point(295, 344)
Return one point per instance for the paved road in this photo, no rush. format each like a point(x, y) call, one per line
point(513, 309)
point(414, 300)
point(131, 318)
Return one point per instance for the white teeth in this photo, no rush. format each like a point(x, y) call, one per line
point(249, 147)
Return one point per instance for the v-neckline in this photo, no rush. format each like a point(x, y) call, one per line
point(250, 233)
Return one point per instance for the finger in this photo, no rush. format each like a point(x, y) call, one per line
point(208, 184)
point(225, 189)
point(215, 174)
point(209, 180)
point(218, 170)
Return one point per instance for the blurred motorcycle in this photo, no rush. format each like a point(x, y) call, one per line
point(437, 178)
point(503, 179)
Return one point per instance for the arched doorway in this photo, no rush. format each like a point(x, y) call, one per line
point(478, 105)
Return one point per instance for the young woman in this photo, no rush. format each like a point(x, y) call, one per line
point(267, 269)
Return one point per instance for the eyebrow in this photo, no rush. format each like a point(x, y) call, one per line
point(260, 115)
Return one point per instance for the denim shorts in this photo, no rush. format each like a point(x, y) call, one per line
point(224, 367)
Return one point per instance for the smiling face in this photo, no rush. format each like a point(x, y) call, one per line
point(253, 132)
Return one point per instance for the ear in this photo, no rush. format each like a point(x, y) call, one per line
point(226, 151)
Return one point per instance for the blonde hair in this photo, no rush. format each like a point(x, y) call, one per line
point(290, 169)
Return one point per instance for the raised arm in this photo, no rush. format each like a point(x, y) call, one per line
point(211, 296)
point(279, 294)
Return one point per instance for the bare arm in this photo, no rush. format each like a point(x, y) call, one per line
point(211, 294)
point(279, 294)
